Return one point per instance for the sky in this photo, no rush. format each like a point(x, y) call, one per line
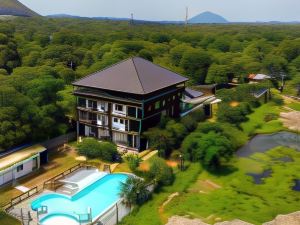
point(232, 10)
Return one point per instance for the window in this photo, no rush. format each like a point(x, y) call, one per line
point(174, 97)
point(164, 103)
point(115, 120)
point(101, 106)
point(19, 168)
point(121, 121)
point(90, 104)
point(157, 105)
point(118, 107)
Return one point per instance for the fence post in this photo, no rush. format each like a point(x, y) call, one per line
point(22, 216)
point(117, 211)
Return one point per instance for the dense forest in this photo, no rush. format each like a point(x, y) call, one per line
point(40, 57)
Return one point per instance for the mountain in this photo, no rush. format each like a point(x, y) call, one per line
point(207, 17)
point(15, 8)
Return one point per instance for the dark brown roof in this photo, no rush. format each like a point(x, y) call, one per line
point(134, 75)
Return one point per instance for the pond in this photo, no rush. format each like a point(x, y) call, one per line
point(265, 142)
point(297, 185)
point(258, 178)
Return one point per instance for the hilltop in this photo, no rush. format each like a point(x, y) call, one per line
point(15, 8)
point(208, 17)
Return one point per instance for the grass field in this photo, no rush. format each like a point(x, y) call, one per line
point(8, 220)
point(265, 119)
point(238, 196)
point(295, 106)
point(151, 213)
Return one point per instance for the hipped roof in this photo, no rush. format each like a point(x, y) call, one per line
point(134, 75)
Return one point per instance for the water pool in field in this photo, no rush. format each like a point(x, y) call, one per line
point(98, 196)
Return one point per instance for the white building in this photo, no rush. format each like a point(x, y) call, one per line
point(21, 163)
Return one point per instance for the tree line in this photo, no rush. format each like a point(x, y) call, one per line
point(41, 57)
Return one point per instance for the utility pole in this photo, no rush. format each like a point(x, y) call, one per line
point(282, 75)
point(186, 17)
point(132, 19)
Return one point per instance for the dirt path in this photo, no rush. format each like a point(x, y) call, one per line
point(291, 120)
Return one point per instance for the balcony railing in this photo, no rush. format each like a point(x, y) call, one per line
point(93, 122)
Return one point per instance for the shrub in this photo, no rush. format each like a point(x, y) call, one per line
point(191, 121)
point(134, 191)
point(278, 100)
point(233, 115)
point(133, 161)
point(92, 148)
point(161, 172)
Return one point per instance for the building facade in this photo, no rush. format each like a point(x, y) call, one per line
point(21, 163)
point(121, 102)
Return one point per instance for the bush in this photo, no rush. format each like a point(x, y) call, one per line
point(134, 191)
point(161, 172)
point(191, 121)
point(133, 161)
point(92, 148)
point(233, 115)
point(278, 100)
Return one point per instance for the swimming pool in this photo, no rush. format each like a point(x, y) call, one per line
point(99, 196)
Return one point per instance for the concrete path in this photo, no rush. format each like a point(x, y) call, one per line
point(149, 155)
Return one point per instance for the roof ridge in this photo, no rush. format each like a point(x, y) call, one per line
point(137, 73)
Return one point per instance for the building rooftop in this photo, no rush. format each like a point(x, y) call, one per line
point(258, 76)
point(20, 155)
point(134, 75)
point(192, 93)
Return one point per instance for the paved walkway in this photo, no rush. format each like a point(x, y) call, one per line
point(149, 155)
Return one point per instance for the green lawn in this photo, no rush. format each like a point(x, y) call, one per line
point(8, 220)
point(238, 196)
point(265, 119)
point(294, 106)
point(149, 213)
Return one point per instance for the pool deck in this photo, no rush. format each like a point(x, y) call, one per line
point(25, 206)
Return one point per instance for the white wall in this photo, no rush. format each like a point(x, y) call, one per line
point(11, 173)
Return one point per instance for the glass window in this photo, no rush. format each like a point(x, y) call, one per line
point(121, 121)
point(164, 103)
point(115, 120)
point(157, 105)
point(90, 103)
point(19, 168)
point(118, 107)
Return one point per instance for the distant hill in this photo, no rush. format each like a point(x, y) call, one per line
point(207, 17)
point(15, 8)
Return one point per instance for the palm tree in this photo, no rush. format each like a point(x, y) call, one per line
point(134, 191)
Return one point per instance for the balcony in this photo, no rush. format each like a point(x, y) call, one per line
point(119, 110)
point(119, 124)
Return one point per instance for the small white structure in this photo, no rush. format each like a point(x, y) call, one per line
point(21, 163)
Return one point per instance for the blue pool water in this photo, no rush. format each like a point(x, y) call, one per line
point(98, 196)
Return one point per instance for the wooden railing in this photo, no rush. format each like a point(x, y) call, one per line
point(50, 183)
point(22, 197)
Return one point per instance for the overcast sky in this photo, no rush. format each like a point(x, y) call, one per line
point(233, 10)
